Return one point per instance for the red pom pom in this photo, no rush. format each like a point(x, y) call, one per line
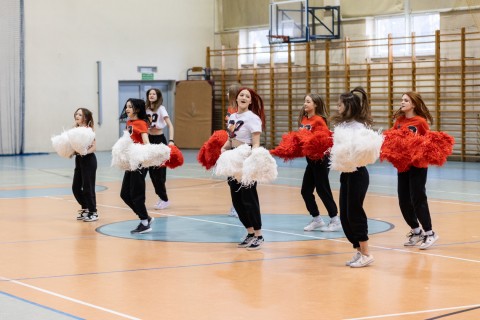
point(434, 149)
point(290, 147)
point(212, 148)
point(395, 148)
point(176, 158)
point(318, 144)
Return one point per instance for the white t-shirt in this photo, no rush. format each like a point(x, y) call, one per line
point(241, 126)
point(157, 118)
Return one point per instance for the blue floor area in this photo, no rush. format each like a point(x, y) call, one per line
point(21, 309)
point(222, 228)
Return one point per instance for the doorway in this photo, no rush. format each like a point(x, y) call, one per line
point(138, 89)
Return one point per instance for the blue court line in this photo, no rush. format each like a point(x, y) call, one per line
point(40, 306)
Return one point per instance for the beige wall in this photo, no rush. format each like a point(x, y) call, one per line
point(65, 38)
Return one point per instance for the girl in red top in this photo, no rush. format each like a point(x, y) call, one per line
point(412, 195)
point(312, 117)
point(133, 185)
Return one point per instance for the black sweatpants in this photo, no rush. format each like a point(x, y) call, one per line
point(412, 198)
point(133, 192)
point(316, 177)
point(245, 201)
point(83, 185)
point(353, 189)
point(158, 175)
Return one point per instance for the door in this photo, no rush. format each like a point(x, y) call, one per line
point(138, 90)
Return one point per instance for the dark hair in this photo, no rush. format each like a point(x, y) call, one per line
point(256, 106)
point(155, 105)
point(320, 108)
point(357, 107)
point(232, 92)
point(419, 107)
point(138, 108)
point(87, 115)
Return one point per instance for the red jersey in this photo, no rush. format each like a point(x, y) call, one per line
point(313, 124)
point(415, 124)
point(136, 128)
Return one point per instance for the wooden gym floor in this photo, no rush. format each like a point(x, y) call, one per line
point(54, 267)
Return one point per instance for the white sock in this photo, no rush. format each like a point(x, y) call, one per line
point(429, 233)
point(417, 230)
point(317, 218)
point(144, 222)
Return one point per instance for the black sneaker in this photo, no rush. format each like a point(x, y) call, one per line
point(256, 244)
point(91, 217)
point(82, 214)
point(141, 228)
point(247, 241)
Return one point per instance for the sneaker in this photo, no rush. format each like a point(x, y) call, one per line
point(413, 238)
point(363, 261)
point(256, 244)
point(161, 205)
point(355, 257)
point(91, 217)
point(428, 241)
point(141, 228)
point(247, 241)
point(333, 225)
point(314, 224)
point(82, 214)
point(233, 213)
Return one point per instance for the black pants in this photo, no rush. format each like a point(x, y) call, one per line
point(353, 189)
point(133, 192)
point(83, 185)
point(412, 197)
point(158, 175)
point(245, 201)
point(316, 177)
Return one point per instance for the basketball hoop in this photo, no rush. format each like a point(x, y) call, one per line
point(277, 39)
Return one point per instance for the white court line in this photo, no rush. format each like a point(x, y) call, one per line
point(415, 312)
point(123, 315)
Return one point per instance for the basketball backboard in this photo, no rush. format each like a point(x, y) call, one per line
point(296, 21)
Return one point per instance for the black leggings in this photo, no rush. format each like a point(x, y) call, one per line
point(158, 175)
point(353, 189)
point(83, 185)
point(412, 197)
point(246, 203)
point(133, 192)
point(316, 177)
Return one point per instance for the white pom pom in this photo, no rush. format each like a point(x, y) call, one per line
point(120, 155)
point(354, 147)
point(148, 155)
point(61, 145)
point(259, 167)
point(81, 138)
point(230, 163)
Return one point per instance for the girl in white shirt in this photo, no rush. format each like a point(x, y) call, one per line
point(245, 127)
point(159, 119)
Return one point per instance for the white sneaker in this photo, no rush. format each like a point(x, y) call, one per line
point(333, 225)
point(314, 224)
point(428, 241)
point(162, 205)
point(413, 238)
point(355, 257)
point(363, 261)
point(233, 213)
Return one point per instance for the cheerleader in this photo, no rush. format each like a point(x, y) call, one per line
point(159, 119)
point(245, 127)
point(133, 184)
point(84, 174)
point(313, 117)
point(351, 138)
point(412, 196)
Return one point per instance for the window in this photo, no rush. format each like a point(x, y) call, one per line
point(256, 48)
point(401, 27)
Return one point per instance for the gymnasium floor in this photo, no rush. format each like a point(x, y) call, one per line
point(54, 267)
